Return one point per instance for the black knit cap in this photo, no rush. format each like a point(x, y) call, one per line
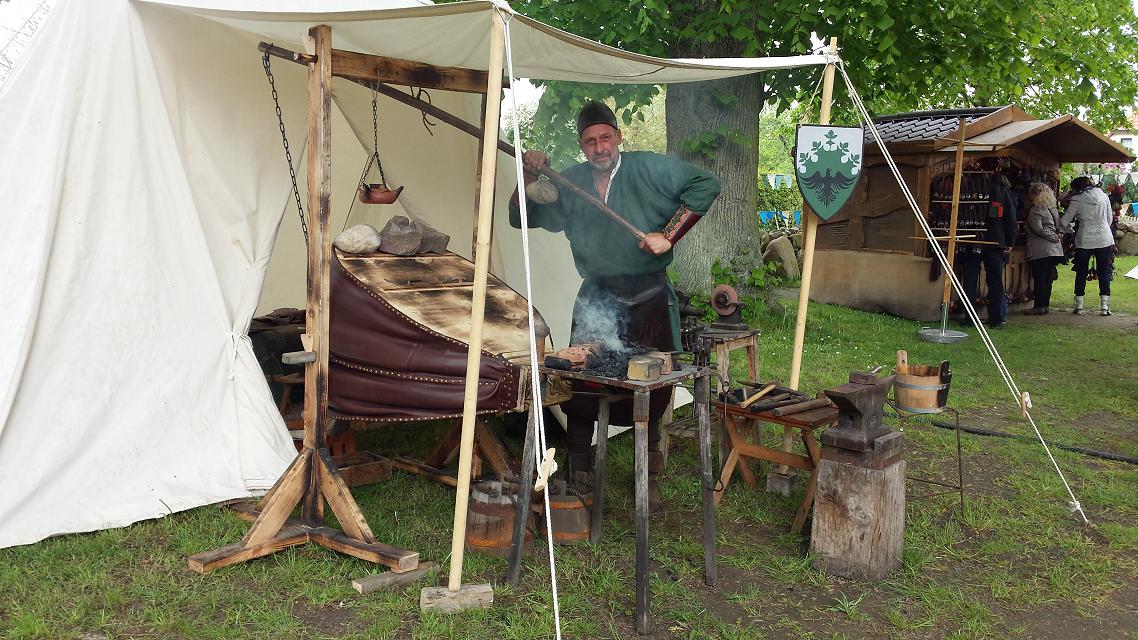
point(595, 113)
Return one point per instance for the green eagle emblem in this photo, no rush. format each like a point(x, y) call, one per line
point(829, 168)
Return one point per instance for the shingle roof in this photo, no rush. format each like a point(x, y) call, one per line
point(924, 125)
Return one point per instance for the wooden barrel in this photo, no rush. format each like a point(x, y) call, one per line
point(490, 518)
point(569, 513)
point(920, 388)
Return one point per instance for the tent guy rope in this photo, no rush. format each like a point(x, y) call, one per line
point(538, 421)
point(1001, 367)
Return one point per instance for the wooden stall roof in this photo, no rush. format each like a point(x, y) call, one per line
point(990, 129)
point(1066, 137)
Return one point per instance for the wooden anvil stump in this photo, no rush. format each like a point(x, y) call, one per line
point(859, 512)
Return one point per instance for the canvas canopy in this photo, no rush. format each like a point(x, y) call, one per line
point(143, 183)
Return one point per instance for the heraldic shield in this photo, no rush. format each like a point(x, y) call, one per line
point(828, 164)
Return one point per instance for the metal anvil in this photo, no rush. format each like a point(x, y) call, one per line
point(861, 437)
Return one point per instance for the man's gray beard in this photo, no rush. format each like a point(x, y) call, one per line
point(611, 164)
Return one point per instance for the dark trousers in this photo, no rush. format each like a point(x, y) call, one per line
point(1104, 263)
point(581, 411)
point(993, 261)
point(1041, 271)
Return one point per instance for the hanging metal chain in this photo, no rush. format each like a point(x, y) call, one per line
point(284, 141)
point(375, 137)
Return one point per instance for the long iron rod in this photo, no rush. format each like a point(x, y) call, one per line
point(463, 125)
point(508, 148)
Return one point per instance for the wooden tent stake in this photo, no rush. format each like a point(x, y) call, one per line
point(810, 234)
point(312, 479)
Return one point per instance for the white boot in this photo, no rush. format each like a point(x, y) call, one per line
point(1078, 310)
point(1105, 305)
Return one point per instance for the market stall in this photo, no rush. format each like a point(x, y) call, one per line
point(873, 255)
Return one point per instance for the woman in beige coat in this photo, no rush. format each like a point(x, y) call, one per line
point(1044, 246)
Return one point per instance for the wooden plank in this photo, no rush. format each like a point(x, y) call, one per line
point(340, 500)
point(363, 468)
point(726, 474)
point(391, 578)
point(319, 257)
point(807, 502)
point(525, 489)
point(600, 466)
point(414, 466)
point(702, 393)
point(372, 68)
point(774, 455)
point(444, 450)
point(286, 494)
point(744, 466)
point(493, 451)
point(468, 596)
point(399, 560)
point(240, 552)
point(640, 418)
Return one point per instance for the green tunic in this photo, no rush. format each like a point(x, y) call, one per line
point(646, 190)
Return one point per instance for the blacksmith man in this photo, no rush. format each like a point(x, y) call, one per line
point(660, 195)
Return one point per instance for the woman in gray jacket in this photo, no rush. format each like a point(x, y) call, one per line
point(1044, 246)
point(1091, 208)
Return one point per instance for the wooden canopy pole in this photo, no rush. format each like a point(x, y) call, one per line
point(958, 173)
point(313, 479)
point(810, 235)
point(475, 595)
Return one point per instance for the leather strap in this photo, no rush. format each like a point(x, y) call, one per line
point(682, 222)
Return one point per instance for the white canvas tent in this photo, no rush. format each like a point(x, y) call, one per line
point(143, 186)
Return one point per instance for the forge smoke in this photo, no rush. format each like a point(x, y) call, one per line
point(597, 319)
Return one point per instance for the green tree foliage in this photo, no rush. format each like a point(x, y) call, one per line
point(1048, 56)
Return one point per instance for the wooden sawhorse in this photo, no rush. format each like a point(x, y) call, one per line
point(740, 422)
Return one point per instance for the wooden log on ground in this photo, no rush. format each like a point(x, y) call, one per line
point(859, 520)
point(387, 579)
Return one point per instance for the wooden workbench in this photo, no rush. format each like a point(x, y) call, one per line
point(739, 422)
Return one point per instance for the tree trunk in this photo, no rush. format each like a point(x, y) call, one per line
point(693, 110)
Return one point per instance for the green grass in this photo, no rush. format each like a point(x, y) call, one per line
point(1015, 564)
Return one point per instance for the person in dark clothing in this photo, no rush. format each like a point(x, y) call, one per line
point(1001, 229)
point(626, 299)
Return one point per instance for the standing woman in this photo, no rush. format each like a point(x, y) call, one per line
point(1091, 208)
point(1044, 246)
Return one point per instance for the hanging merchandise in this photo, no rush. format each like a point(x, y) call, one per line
point(375, 193)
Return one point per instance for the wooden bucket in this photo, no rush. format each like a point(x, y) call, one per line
point(569, 514)
point(490, 518)
point(920, 388)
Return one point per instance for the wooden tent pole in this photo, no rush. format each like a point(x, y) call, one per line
point(478, 304)
point(312, 480)
point(958, 173)
point(810, 235)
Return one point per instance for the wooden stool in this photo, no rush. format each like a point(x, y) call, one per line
point(740, 421)
point(723, 349)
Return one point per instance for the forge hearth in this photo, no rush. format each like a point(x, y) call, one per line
point(595, 359)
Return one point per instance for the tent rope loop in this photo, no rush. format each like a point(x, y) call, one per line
point(284, 143)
